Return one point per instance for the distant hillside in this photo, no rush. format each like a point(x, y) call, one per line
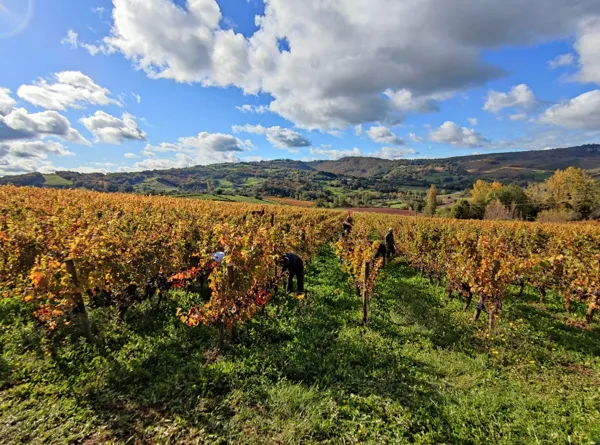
point(517, 167)
point(331, 180)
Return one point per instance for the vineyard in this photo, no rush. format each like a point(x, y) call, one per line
point(84, 270)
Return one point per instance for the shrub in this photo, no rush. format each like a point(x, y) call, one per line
point(557, 216)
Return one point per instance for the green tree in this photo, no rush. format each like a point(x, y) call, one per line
point(416, 204)
point(513, 196)
point(431, 203)
point(461, 210)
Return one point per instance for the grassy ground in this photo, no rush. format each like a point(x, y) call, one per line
point(153, 185)
point(307, 371)
point(54, 180)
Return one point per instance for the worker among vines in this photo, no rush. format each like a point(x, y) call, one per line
point(382, 251)
point(347, 226)
point(389, 243)
point(293, 263)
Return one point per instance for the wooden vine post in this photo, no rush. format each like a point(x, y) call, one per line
point(82, 315)
point(365, 296)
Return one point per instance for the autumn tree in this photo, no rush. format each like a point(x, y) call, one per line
point(481, 191)
point(573, 189)
point(431, 202)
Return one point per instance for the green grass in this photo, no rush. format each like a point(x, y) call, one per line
point(308, 372)
point(53, 180)
point(153, 185)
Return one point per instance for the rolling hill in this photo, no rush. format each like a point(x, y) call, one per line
point(330, 179)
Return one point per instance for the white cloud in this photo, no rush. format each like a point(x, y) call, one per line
point(109, 129)
point(19, 124)
point(137, 97)
point(383, 135)
point(562, 60)
point(358, 130)
point(587, 46)
point(341, 57)
point(131, 156)
point(473, 121)
point(406, 102)
point(206, 148)
point(520, 96)
point(29, 156)
point(451, 133)
point(383, 153)
point(72, 39)
point(280, 137)
point(413, 137)
point(334, 155)
point(71, 89)
point(7, 103)
point(581, 112)
point(258, 109)
point(392, 153)
point(518, 117)
point(33, 149)
point(179, 161)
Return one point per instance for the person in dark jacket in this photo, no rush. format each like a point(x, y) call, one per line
point(381, 251)
point(293, 263)
point(389, 243)
point(347, 225)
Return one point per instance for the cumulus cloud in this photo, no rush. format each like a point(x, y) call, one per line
point(358, 130)
point(33, 149)
point(29, 156)
point(19, 124)
point(520, 96)
point(406, 102)
point(204, 149)
point(392, 153)
point(581, 112)
point(280, 137)
point(254, 109)
point(383, 153)
point(383, 135)
point(344, 63)
point(473, 121)
point(71, 89)
point(131, 156)
point(334, 155)
point(451, 133)
point(180, 160)
point(137, 97)
point(112, 130)
point(562, 60)
point(7, 103)
point(587, 46)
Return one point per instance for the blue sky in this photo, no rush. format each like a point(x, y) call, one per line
point(98, 85)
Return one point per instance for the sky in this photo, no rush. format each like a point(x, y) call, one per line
point(130, 85)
